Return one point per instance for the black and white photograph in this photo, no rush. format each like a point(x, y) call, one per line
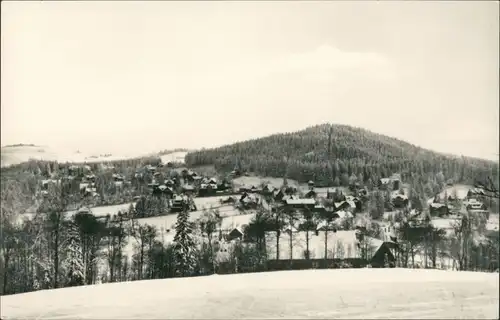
point(249, 160)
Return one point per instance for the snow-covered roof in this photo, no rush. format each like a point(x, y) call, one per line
point(385, 180)
point(398, 195)
point(477, 191)
point(349, 202)
point(344, 214)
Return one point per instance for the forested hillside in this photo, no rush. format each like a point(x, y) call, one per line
point(354, 153)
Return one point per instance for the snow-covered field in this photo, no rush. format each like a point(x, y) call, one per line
point(101, 211)
point(20, 154)
point(493, 222)
point(230, 216)
point(308, 294)
point(174, 157)
point(166, 225)
point(460, 190)
point(448, 223)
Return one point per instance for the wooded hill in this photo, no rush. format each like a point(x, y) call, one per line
point(305, 155)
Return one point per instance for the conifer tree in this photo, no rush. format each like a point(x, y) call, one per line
point(184, 244)
point(75, 265)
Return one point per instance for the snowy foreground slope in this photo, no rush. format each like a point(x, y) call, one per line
point(347, 293)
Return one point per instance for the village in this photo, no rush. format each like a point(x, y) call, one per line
point(323, 227)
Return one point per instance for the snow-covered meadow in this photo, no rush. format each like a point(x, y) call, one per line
point(308, 294)
point(178, 156)
point(12, 155)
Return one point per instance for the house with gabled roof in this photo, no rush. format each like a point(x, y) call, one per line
point(439, 209)
point(391, 183)
point(163, 190)
point(268, 189)
point(399, 201)
point(248, 201)
point(348, 205)
point(45, 184)
point(475, 192)
point(474, 204)
point(278, 195)
point(180, 201)
point(235, 233)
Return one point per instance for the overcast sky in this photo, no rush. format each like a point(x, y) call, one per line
point(112, 76)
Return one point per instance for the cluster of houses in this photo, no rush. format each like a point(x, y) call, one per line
point(84, 177)
point(88, 186)
point(274, 198)
point(392, 183)
point(191, 183)
point(471, 202)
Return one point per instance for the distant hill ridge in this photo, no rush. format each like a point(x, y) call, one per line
point(15, 154)
point(20, 145)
